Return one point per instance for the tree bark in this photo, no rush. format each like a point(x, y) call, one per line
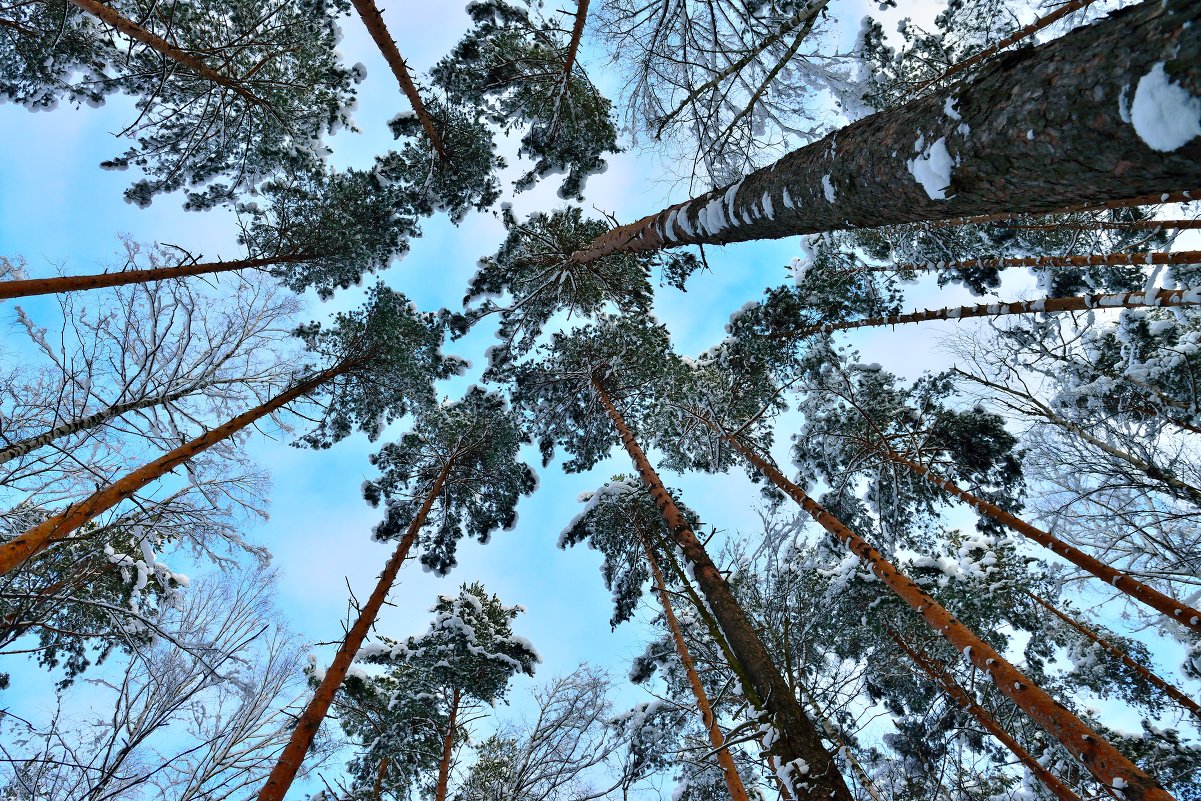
point(378, 788)
point(1098, 755)
point(75, 283)
point(291, 758)
point(38, 538)
point(1165, 604)
point(1153, 199)
point(165, 48)
point(965, 701)
point(798, 746)
point(1103, 225)
point(448, 746)
point(577, 33)
point(1090, 260)
point(374, 20)
point(1113, 650)
point(716, 738)
point(1071, 94)
point(1161, 298)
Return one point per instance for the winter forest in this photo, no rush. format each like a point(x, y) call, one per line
point(600, 400)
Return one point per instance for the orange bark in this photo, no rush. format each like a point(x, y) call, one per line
point(982, 716)
point(17, 550)
point(448, 747)
point(291, 758)
point(1098, 755)
point(76, 283)
point(716, 738)
point(1176, 610)
point(577, 33)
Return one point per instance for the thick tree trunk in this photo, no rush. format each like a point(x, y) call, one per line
point(38, 538)
point(716, 738)
point(448, 748)
point(802, 758)
point(1049, 262)
point(1102, 759)
point(577, 33)
point(982, 716)
point(291, 758)
point(1113, 650)
point(1155, 299)
point(134, 31)
point(1035, 131)
point(1165, 604)
point(75, 283)
point(22, 447)
point(1153, 199)
point(374, 20)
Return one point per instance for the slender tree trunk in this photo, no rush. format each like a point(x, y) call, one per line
point(965, 701)
point(1113, 650)
point(716, 738)
point(75, 283)
point(1103, 225)
point(134, 31)
point(374, 20)
point(448, 746)
point(1015, 37)
point(378, 789)
point(22, 447)
point(577, 33)
point(291, 758)
point(1091, 260)
point(798, 746)
point(974, 135)
point(1102, 759)
point(1155, 299)
point(38, 538)
point(1165, 604)
point(1152, 199)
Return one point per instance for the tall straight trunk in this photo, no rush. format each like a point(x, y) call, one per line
point(1118, 653)
point(1155, 299)
point(1104, 225)
point(24, 446)
point(1033, 132)
point(1165, 604)
point(291, 758)
point(716, 738)
point(53, 529)
point(75, 283)
point(373, 19)
point(1152, 199)
point(161, 46)
point(801, 756)
point(1090, 260)
point(968, 704)
point(577, 33)
point(378, 788)
point(1098, 755)
point(1022, 33)
point(448, 748)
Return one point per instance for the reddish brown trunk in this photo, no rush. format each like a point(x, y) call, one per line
point(716, 738)
point(577, 33)
point(1013, 38)
point(1102, 759)
point(163, 47)
point(448, 747)
point(1153, 199)
point(378, 789)
point(799, 743)
point(76, 283)
point(1122, 300)
point(1092, 260)
point(291, 758)
point(1176, 610)
point(374, 20)
point(38, 538)
point(982, 716)
point(1113, 650)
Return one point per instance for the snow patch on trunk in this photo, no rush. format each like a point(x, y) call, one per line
point(932, 167)
point(1165, 116)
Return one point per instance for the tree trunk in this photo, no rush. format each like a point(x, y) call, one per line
point(374, 20)
point(291, 758)
point(1103, 225)
point(1091, 260)
point(716, 739)
point(378, 789)
point(1165, 604)
point(800, 755)
point(1113, 650)
point(38, 538)
point(448, 746)
point(1153, 199)
point(1155, 299)
point(165, 48)
point(75, 283)
point(1035, 131)
point(982, 716)
point(577, 33)
point(1102, 759)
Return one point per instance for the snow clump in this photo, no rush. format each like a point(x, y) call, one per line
point(932, 167)
point(1165, 116)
